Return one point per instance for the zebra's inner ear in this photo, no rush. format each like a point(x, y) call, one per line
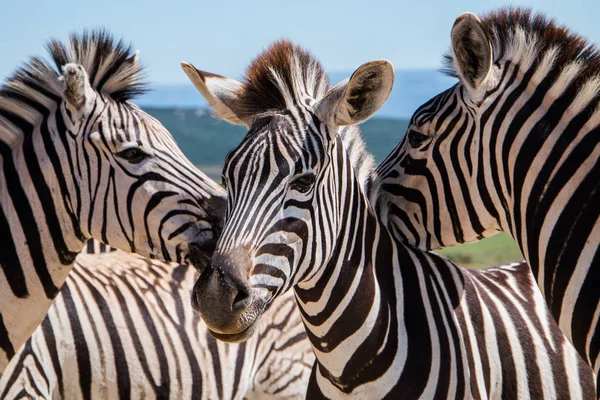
point(220, 92)
point(77, 93)
point(359, 97)
point(472, 50)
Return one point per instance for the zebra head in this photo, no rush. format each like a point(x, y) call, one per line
point(112, 171)
point(286, 182)
point(435, 190)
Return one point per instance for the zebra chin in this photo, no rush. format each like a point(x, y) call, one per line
point(239, 337)
point(232, 325)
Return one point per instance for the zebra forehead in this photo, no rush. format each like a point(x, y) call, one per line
point(267, 146)
point(522, 36)
point(281, 77)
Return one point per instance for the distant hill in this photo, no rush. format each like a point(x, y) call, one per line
point(411, 89)
point(206, 141)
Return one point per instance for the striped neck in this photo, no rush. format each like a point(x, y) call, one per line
point(535, 154)
point(40, 232)
point(374, 314)
point(350, 312)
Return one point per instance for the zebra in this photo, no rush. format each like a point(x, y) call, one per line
point(514, 146)
point(121, 328)
point(79, 160)
point(384, 319)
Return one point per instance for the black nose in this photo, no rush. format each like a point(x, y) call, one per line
point(231, 288)
point(221, 296)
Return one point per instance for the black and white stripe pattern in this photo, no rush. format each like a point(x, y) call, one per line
point(520, 153)
point(122, 328)
point(78, 160)
point(95, 247)
point(384, 319)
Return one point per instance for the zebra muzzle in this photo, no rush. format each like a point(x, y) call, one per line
point(226, 302)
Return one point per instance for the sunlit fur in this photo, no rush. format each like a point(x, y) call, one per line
point(62, 179)
point(121, 328)
point(384, 319)
point(524, 160)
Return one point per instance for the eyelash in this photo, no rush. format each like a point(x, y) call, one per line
point(303, 183)
point(134, 155)
point(416, 139)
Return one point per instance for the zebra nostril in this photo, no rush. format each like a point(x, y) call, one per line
point(241, 300)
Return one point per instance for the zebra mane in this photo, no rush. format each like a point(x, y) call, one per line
point(112, 68)
point(521, 36)
point(362, 161)
point(280, 78)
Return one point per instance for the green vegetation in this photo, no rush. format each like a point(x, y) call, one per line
point(498, 249)
point(206, 141)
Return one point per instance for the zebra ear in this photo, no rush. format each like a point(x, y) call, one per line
point(220, 92)
point(472, 50)
point(77, 93)
point(359, 97)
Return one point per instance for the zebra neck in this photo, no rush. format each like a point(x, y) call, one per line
point(350, 312)
point(38, 190)
point(369, 317)
point(39, 233)
point(537, 161)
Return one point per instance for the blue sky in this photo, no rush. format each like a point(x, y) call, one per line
point(223, 36)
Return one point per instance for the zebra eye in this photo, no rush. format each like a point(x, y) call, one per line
point(303, 183)
point(134, 155)
point(416, 139)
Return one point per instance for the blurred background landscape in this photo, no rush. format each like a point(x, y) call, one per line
point(206, 140)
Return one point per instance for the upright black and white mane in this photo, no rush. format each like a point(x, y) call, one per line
point(281, 77)
point(111, 66)
point(521, 36)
